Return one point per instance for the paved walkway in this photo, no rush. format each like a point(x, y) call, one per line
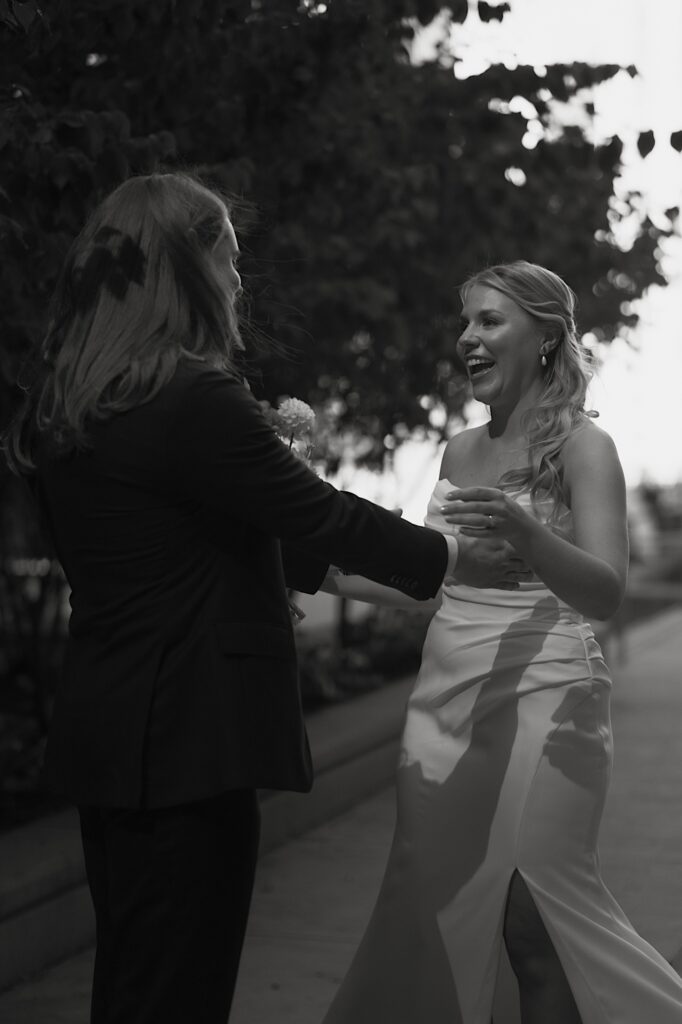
point(314, 894)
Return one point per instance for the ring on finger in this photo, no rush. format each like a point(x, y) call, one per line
point(491, 522)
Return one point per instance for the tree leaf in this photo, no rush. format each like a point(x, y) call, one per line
point(645, 143)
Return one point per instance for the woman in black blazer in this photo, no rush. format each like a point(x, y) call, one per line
point(180, 519)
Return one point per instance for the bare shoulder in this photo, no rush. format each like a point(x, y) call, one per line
point(459, 449)
point(589, 454)
point(588, 443)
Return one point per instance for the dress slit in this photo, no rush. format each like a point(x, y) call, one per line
point(574, 982)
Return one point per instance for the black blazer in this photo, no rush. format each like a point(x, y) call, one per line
point(180, 677)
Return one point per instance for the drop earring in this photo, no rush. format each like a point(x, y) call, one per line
point(543, 360)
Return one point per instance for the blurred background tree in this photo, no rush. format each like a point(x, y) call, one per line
point(375, 184)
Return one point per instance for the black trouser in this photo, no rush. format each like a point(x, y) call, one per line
point(171, 889)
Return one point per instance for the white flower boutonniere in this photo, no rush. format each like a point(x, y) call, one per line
point(294, 421)
point(296, 416)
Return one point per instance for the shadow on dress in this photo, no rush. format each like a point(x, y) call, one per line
point(442, 835)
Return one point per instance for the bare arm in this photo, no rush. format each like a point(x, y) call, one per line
point(589, 575)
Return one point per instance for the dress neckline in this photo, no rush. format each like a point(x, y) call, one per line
point(520, 495)
point(451, 483)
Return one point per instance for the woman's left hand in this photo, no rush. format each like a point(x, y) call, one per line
point(475, 509)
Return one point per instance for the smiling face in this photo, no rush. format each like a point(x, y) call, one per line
point(500, 345)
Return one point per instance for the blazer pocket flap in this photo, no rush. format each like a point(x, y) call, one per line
point(264, 641)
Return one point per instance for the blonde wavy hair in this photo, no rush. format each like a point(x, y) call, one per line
point(561, 407)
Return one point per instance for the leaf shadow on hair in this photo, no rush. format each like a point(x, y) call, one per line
point(114, 262)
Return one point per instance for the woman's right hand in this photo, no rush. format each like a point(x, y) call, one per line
point(487, 561)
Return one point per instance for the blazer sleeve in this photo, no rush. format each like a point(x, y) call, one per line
point(303, 571)
point(226, 455)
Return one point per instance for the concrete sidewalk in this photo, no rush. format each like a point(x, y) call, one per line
point(314, 894)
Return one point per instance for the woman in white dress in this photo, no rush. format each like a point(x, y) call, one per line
point(506, 751)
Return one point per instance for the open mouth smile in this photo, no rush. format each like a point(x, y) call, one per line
point(478, 367)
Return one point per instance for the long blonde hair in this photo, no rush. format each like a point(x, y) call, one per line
point(561, 407)
point(137, 293)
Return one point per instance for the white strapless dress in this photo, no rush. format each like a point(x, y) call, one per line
point(505, 763)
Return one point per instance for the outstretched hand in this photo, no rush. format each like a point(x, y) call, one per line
point(486, 561)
